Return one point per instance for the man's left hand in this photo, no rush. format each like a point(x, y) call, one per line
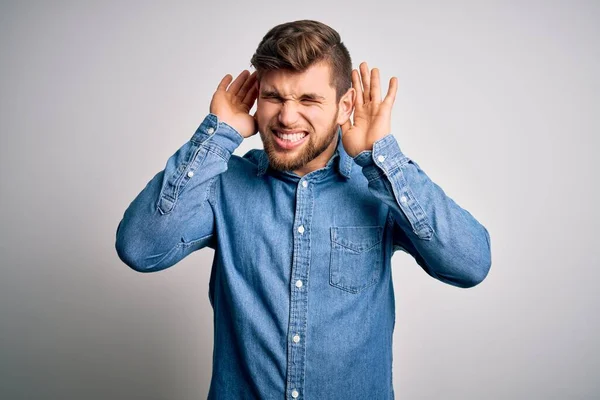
point(372, 117)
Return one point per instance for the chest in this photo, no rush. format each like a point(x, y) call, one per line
point(333, 231)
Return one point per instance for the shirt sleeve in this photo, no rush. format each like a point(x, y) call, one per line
point(445, 239)
point(173, 215)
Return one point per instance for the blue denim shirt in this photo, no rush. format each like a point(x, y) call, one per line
point(301, 284)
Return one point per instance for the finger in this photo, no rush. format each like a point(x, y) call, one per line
point(238, 82)
point(375, 87)
point(392, 90)
point(225, 82)
point(247, 85)
point(357, 86)
point(366, 81)
point(251, 95)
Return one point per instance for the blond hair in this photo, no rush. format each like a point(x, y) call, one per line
point(300, 44)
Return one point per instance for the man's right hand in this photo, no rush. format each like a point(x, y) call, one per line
point(232, 105)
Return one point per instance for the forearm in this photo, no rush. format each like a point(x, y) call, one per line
point(173, 215)
point(447, 241)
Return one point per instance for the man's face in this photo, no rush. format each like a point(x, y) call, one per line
point(302, 103)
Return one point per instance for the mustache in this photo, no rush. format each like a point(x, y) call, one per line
point(280, 128)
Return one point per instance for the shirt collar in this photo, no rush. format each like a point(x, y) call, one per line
point(343, 164)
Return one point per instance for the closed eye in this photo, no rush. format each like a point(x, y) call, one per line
point(279, 99)
point(272, 98)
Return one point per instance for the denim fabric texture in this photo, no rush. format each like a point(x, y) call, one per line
point(301, 284)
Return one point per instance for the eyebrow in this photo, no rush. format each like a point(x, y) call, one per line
point(275, 93)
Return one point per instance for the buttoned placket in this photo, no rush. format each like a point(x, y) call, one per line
point(299, 290)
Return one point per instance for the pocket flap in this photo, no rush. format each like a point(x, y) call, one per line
point(357, 238)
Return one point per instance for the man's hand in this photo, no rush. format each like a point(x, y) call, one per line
point(372, 117)
point(232, 105)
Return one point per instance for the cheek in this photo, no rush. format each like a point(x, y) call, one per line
point(319, 118)
point(264, 113)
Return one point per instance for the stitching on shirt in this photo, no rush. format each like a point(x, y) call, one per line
point(193, 242)
point(353, 287)
point(354, 251)
point(412, 208)
point(217, 150)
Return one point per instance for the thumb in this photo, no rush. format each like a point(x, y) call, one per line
point(255, 123)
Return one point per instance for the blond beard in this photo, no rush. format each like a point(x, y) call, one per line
point(309, 151)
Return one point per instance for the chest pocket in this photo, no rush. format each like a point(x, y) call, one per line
point(356, 257)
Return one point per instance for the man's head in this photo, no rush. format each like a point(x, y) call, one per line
point(304, 73)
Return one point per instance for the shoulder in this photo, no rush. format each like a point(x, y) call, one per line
point(253, 156)
point(249, 162)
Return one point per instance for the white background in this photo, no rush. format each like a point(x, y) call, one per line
point(498, 102)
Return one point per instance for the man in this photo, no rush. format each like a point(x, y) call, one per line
point(304, 230)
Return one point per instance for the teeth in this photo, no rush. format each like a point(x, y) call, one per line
point(294, 137)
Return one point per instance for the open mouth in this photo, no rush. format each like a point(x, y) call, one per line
point(290, 140)
point(291, 137)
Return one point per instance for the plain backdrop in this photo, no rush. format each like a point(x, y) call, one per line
point(498, 102)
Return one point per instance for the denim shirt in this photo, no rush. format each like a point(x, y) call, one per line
point(301, 284)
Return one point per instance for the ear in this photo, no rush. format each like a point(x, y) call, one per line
point(346, 106)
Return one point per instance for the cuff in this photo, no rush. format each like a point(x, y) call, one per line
point(213, 131)
point(385, 157)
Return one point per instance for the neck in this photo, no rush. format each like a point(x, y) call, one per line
point(320, 161)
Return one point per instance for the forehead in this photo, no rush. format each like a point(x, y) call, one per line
point(314, 80)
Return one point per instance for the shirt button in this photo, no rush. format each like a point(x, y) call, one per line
point(295, 393)
point(381, 158)
point(304, 183)
point(298, 283)
point(190, 174)
point(403, 199)
point(210, 130)
point(296, 338)
point(301, 229)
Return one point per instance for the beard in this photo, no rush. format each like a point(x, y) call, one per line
point(314, 146)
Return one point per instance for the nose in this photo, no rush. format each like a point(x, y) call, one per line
point(288, 114)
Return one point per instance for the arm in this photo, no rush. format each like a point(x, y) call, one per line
point(445, 239)
point(173, 215)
